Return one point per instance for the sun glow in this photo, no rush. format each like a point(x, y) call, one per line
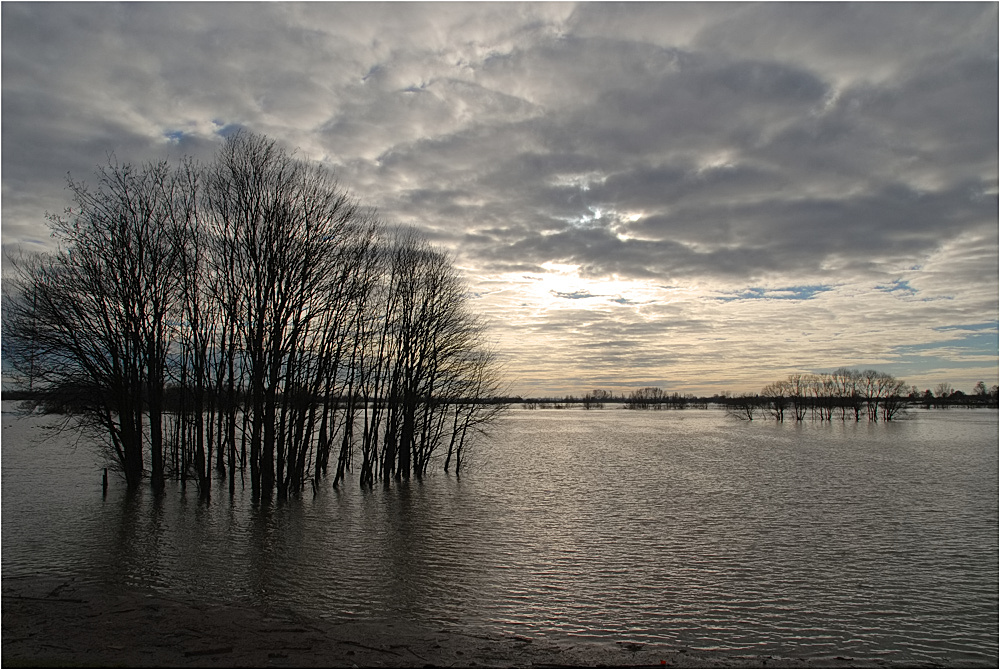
point(561, 285)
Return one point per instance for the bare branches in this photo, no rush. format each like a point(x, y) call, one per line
point(250, 310)
point(877, 394)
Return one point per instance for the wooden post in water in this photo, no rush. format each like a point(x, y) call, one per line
point(104, 484)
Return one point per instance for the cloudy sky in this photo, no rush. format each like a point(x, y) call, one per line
point(701, 197)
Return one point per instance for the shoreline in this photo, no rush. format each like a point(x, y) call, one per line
point(59, 622)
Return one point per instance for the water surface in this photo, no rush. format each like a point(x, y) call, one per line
point(679, 527)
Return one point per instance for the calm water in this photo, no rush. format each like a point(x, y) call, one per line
point(679, 527)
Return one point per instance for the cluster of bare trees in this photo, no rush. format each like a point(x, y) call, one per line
point(249, 315)
point(650, 397)
point(653, 397)
point(597, 398)
point(845, 392)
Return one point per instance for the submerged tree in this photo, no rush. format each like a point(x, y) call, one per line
point(596, 399)
point(876, 394)
point(744, 406)
point(94, 315)
point(649, 397)
point(424, 370)
point(252, 311)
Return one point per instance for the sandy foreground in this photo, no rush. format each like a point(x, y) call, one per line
point(55, 622)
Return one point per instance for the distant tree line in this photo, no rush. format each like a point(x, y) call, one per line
point(249, 316)
point(944, 395)
point(649, 397)
point(845, 394)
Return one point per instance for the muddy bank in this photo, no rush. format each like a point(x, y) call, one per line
point(57, 622)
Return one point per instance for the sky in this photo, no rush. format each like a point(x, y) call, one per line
point(704, 197)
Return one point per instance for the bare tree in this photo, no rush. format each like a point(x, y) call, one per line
point(943, 390)
point(775, 399)
point(275, 315)
point(881, 394)
point(744, 406)
point(894, 400)
point(477, 400)
point(596, 399)
point(99, 308)
point(846, 387)
point(650, 397)
point(285, 219)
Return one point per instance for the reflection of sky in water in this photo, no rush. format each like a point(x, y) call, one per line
point(683, 527)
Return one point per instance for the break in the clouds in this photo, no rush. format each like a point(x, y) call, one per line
point(696, 196)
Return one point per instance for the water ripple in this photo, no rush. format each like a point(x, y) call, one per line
point(682, 528)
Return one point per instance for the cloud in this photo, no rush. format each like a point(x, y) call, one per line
point(720, 178)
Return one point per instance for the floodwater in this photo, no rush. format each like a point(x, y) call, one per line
point(681, 527)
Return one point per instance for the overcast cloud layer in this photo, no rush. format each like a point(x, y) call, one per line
point(696, 196)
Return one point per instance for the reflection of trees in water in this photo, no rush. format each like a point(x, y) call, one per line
point(136, 549)
point(252, 318)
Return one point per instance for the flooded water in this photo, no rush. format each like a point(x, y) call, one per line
point(680, 527)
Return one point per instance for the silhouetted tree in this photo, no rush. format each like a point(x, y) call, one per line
point(775, 400)
point(595, 399)
point(943, 390)
point(744, 406)
point(649, 397)
point(94, 313)
point(284, 317)
point(878, 394)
